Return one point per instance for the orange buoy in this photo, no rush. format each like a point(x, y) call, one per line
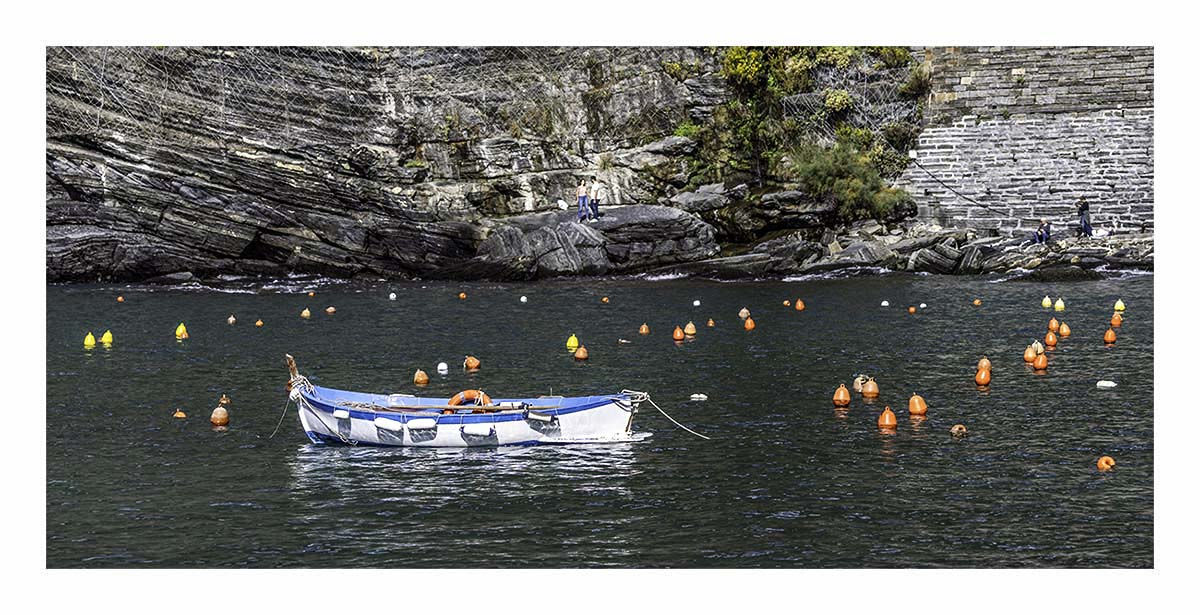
point(420, 377)
point(799, 305)
point(258, 323)
point(1064, 330)
point(887, 419)
point(711, 323)
point(912, 310)
point(977, 302)
point(1030, 354)
point(1110, 337)
point(179, 414)
point(917, 405)
point(120, 299)
point(1041, 362)
point(983, 377)
point(689, 328)
point(581, 354)
point(603, 299)
point(1051, 339)
point(1053, 326)
point(787, 303)
point(220, 416)
point(958, 430)
point(644, 329)
point(748, 324)
point(1105, 463)
point(984, 363)
point(471, 363)
point(870, 388)
point(1116, 320)
point(677, 334)
point(841, 397)
point(311, 294)
point(462, 295)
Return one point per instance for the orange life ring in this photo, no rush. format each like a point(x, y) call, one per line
point(474, 396)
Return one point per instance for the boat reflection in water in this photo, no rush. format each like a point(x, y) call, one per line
point(432, 507)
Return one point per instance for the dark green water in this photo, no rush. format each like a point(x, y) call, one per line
point(785, 481)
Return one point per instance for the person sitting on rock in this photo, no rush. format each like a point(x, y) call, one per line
point(1085, 218)
point(594, 198)
point(1043, 232)
point(581, 195)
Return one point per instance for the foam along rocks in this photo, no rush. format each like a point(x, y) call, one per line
point(1105, 384)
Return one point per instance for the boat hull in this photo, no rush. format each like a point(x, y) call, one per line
point(327, 418)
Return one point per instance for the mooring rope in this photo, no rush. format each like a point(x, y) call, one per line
point(287, 402)
point(681, 426)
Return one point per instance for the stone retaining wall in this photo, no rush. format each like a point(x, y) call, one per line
point(1026, 131)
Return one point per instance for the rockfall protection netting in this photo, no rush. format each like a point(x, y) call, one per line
point(874, 103)
point(292, 96)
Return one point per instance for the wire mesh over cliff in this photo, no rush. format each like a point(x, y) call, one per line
point(294, 97)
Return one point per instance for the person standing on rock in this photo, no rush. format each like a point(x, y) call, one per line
point(581, 195)
point(1085, 218)
point(594, 198)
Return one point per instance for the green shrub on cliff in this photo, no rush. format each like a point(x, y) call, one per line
point(837, 101)
point(743, 66)
point(844, 176)
point(687, 129)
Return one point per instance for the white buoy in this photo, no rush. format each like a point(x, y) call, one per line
point(1105, 384)
point(922, 306)
point(392, 297)
point(442, 368)
point(884, 303)
point(699, 397)
point(524, 299)
point(696, 303)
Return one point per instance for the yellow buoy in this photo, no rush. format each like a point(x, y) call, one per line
point(305, 313)
point(1119, 306)
point(106, 338)
point(689, 328)
point(120, 299)
point(89, 340)
point(181, 332)
point(179, 414)
point(1046, 301)
point(1059, 305)
point(572, 343)
point(258, 323)
point(231, 319)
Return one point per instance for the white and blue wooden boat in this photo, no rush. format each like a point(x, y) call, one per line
point(333, 416)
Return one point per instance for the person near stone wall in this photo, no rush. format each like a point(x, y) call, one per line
point(1085, 218)
point(1042, 235)
point(581, 195)
point(594, 198)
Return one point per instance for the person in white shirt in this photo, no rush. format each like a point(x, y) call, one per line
point(594, 198)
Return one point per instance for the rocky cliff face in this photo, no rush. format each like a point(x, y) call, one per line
point(385, 162)
point(452, 162)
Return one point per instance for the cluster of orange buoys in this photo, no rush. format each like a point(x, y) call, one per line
point(869, 389)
